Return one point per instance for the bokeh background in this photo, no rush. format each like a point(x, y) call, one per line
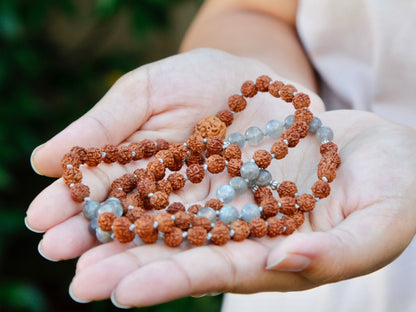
point(58, 58)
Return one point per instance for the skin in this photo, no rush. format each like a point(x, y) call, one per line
point(372, 199)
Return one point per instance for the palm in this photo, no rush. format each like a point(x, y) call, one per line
point(364, 202)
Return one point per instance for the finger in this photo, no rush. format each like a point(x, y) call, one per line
point(350, 249)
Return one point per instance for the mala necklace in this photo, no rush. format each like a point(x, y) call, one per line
point(126, 214)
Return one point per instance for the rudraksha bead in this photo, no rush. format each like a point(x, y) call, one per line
point(287, 205)
point(287, 188)
point(248, 89)
point(232, 151)
point(164, 186)
point(132, 200)
point(258, 227)
point(127, 182)
point(174, 238)
point(134, 214)
point(303, 114)
point(241, 230)
point(121, 230)
point(197, 235)
point(165, 222)
point(159, 200)
point(111, 153)
point(220, 234)
point(117, 193)
point(162, 144)
point(124, 155)
point(214, 145)
point(226, 117)
point(321, 189)
point(279, 149)
point(78, 151)
point(195, 143)
point(301, 100)
point(150, 147)
point(79, 191)
point(275, 227)
point(177, 180)
point(195, 173)
point(137, 149)
point(214, 203)
point(142, 174)
point(327, 169)
point(262, 158)
point(194, 208)
point(262, 83)
point(166, 156)
point(177, 165)
point(175, 207)
point(275, 87)
point(210, 126)
point(202, 222)
point(306, 202)
point(70, 159)
point(291, 136)
point(71, 175)
point(290, 225)
point(144, 228)
point(237, 103)
point(298, 217)
point(145, 187)
point(105, 220)
point(195, 158)
point(329, 147)
point(157, 168)
point(286, 92)
point(270, 207)
point(179, 151)
point(301, 128)
point(183, 220)
point(92, 157)
point(234, 166)
point(261, 194)
point(215, 163)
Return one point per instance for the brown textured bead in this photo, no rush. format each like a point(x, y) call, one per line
point(71, 175)
point(301, 100)
point(226, 117)
point(179, 151)
point(234, 166)
point(165, 222)
point(177, 180)
point(270, 207)
point(162, 144)
point(195, 158)
point(79, 191)
point(70, 159)
point(93, 157)
point(183, 220)
point(124, 154)
point(138, 150)
point(329, 147)
point(262, 158)
point(214, 145)
point(241, 230)
point(167, 157)
point(262, 83)
point(157, 168)
point(303, 114)
point(290, 225)
point(287, 205)
point(301, 128)
point(306, 202)
point(175, 207)
point(134, 214)
point(220, 234)
point(164, 186)
point(261, 194)
point(248, 89)
point(214, 203)
point(237, 103)
point(275, 87)
point(176, 166)
point(232, 151)
point(210, 126)
point(202, 222)
point(279, 149)
point(321, 189)
point(195, 173)
point(127, 182)
point(150, 147)
point(145, 187)
point(197, 235)
point(195, 143)
point(142, 174)
point(133, 200)
point(286, 92)
point(215, 164)
point(105, 220)
point(333, 157)
point(327, 169)
point(121, 230)
point(111, 153)
point(258, 227)
point(78, 151)
point(194, 208)
point(291, 136)
point(117, 193)
point(298, 217)
point(174, 238)
point(287, 188)
point(275, 227)
point(144, 228)
point(159, 200)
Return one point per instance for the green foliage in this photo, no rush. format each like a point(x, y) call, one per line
point(47, 81)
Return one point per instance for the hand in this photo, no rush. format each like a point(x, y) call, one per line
point(371, 199)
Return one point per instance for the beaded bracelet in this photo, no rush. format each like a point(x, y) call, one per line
point(125, 217)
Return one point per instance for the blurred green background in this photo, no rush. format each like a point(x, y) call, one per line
point(58, 58)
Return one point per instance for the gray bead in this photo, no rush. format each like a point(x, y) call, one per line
point(264, 178)
point(254, 135)
point(239, 185)
point(228, 214)
point(226, 193)
point(274, 128)
point(324, 135)
point(207, 212)
point(111, 205)
point(249, 212)
point(103, 236)
point(249, 170)
point(238, 139)
point(90, 209)
point(92, 226)
point(314, 125)
point(289, 121)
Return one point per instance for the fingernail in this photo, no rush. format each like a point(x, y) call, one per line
point(71, 294)
point(31, 229)
point(115, 303)
point(32, 157)
point(41, 253)
point(290, 263)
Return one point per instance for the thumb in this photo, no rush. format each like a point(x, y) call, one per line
point(365, 241)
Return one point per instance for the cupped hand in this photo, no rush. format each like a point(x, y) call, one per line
point(365, 223)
